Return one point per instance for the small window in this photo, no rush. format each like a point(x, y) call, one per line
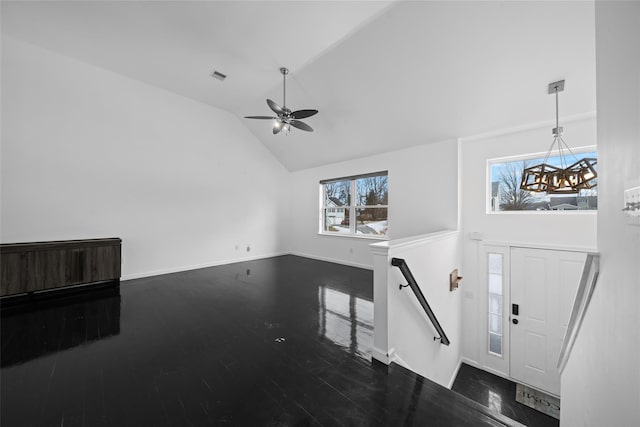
point(505, 195)
point(494, 308)
point(356, 206)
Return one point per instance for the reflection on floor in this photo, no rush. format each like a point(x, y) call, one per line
point(498, 394)
point(54, 327)
point(347, 320)
point(283, 341)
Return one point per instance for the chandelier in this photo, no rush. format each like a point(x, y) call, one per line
point(565, 178)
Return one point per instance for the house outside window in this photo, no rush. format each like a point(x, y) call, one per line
point(504, 193)
point(355, 206)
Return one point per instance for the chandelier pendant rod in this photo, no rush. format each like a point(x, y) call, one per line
point(558, 132)
point(557, 114)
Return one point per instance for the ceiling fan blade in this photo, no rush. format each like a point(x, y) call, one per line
point(301, 125)
point(275, 107)
point(303, 114)
point(261, 117)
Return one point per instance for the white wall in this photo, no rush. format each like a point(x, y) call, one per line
point(564, 229)
point(423, 197)
point(402, 331)
point(88, 153)
point(601, 382)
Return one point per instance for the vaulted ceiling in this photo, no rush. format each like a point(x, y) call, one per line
point(385, 75)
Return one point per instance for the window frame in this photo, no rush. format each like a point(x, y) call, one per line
point(488, 187)
point(352, 207)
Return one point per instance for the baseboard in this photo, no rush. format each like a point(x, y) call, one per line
point(400, 361)
point(235, 260)
point(496, 373)
point(198, 266)
point(382, 356)
point(471, 362)
point(455, 374)
point(333, 260)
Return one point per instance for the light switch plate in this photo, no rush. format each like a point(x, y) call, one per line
point(631, 206)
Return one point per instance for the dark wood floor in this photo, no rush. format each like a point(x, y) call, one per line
point(498, 394)
point(283, 341)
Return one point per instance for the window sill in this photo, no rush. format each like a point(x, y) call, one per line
point(354, 236)
point(567, 212)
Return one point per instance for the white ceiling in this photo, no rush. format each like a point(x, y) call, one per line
point(384, 74)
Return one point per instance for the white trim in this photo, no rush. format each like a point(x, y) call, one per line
point(455, 374)
point(353, 236)
point(581, 301)
point(497, 373)
point(382, 356)
point(486, 369)
point(546, 212)
point(236, 260)
point(532, 126)
point(197, 266)
point(399, 361)
point(333, 260)
point(539, 154)
point(539, 246)
point(470, 362)
point(409, 242)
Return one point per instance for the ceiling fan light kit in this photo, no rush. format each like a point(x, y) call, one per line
point(285, 117)
point(566, 179)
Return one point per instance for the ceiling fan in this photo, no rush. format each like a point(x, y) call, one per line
point(286, 118)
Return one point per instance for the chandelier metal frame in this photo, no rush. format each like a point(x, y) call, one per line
point(563, 179)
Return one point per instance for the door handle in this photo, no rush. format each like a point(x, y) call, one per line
point(515, 321)
point(515, 309)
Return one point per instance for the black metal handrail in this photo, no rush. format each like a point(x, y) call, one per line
point(404, 268)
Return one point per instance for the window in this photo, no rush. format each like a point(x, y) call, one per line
point(356, 205)
point(504, 192)
point(494, 309)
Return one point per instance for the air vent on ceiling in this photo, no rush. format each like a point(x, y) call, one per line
point(218, 75)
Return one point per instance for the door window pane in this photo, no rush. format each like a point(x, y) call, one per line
point(495, 264)
point(495, 344)
point(495, 302)
point(495, 284)
point(495, 324)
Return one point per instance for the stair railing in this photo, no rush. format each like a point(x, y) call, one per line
point(406, 272)
point(587, 284)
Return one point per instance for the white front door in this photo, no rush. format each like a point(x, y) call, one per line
point(543, 286)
